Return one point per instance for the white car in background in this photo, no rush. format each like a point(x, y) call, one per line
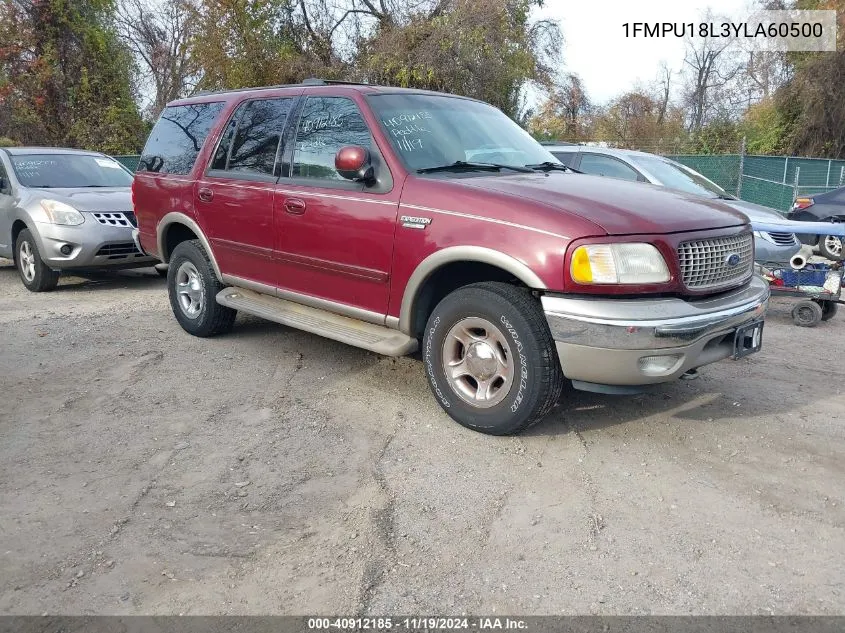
point(770, 247)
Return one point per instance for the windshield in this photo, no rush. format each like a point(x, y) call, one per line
point(676, 176)
point(431, 131)
point(69, 170)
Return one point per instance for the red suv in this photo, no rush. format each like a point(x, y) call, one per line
point(393, 219)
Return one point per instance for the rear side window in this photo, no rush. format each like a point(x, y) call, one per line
point(177, 138)
point(606, 166)
point(567, 158)
point(250, 143)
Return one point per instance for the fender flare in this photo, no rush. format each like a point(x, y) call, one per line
point(176, 217)
point(452, 254)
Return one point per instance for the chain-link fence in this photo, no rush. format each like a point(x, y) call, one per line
point(129, 161)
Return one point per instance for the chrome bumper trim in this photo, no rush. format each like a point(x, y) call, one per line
point(643, 324)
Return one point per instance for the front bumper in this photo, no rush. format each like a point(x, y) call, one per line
point(91, 245)
point(633, 341)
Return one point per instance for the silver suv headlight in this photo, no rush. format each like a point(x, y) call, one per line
point(61, 213)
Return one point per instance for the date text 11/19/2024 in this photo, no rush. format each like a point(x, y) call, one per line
point(416, 624)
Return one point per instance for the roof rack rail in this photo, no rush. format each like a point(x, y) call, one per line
point(311, 81)
point(316, 81)
point(202, 93)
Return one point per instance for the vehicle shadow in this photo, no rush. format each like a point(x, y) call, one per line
point(727, 390)
point(136, 278)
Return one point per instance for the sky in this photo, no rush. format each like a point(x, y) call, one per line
point(595, 46)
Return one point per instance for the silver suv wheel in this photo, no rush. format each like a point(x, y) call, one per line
point(189, 290)
point(27, 259)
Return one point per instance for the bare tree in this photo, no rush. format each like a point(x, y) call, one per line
point(708, 68)
point(664, 80)
point(159, 36)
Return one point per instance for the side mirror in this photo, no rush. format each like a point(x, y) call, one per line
point(4, 185)
point(353, 163)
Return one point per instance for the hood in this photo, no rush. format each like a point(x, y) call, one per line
point(90, 198)
point(619, 207)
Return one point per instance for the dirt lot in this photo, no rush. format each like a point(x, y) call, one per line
point(272, 471)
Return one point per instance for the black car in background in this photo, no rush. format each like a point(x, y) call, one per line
point(822, 207)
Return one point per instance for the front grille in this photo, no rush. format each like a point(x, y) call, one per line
point(783, 239)
point(705, 263)
point(119, 250)
point(123, 218)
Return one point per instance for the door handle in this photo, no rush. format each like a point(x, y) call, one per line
point(295, 206)
point(205, 194)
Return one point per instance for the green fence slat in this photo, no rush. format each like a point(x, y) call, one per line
point(129, 161)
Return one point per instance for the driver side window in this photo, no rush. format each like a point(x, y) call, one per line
point(326, 125)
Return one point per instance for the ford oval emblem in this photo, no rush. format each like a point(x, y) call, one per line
point(732, 260)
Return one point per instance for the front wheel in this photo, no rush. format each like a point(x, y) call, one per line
point(35, 274)
point(193, 287)
point(490, 358)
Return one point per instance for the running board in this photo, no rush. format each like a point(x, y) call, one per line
point(375, 338)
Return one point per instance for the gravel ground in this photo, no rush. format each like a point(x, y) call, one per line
point(270, 471)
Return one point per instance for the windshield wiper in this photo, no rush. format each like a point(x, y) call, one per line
point(462, 165)
point(550, 166)
point(722, 196)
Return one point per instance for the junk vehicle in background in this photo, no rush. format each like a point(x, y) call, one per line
point(65, 210)
point(822, 207)
point(769, 246)
point(396, 219)
point(816, 285)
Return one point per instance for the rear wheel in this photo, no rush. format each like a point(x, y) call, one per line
point(490, 358)
point(35, 274)
point(193, 287)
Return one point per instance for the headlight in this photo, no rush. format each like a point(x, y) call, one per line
point(618, 264)
point(61, 213)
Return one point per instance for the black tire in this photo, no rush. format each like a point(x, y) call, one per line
point(517, 317)
point(210, 318)
point(829, 309)
point(829, 250)
point(35, 274)
point(807, 314)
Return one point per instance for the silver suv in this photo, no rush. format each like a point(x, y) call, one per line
point(65, 209)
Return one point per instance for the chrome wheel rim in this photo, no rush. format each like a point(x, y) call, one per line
point(833, 244)
point(27, 259)
point(478, 362)
point(189, 290)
